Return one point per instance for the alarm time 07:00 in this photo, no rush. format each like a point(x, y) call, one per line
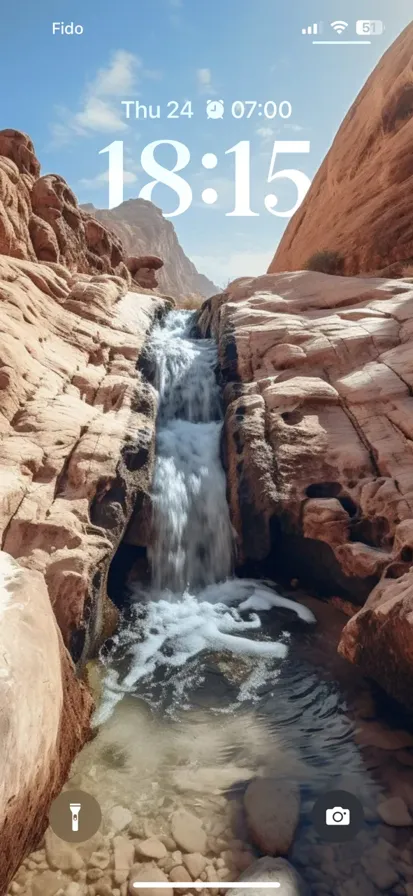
point(213, 108)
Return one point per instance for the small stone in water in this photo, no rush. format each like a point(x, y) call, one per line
point(151, 849)
point(94, 874)
point(124, 853)
point(195, 863)
point(46, 884)
point(395, 812)
point(99, 860)
point(119, 818)
point(188, 832)
point(61, 856)
point(146, 873)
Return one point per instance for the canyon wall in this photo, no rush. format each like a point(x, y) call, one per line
point(318, 446)
point(77, 435)
point(358, 206)
point(143, 230)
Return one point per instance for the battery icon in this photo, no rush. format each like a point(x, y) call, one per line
point(369, 27)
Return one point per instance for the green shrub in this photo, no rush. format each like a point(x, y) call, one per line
point(326, 261)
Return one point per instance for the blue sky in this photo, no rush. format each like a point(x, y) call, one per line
point(66, 92)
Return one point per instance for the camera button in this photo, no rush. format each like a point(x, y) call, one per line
point(337, 816)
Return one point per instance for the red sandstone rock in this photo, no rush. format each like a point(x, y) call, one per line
point(74, 454)
point(144, 231)
point(44, 712)
point(318, 445)
point(40, 219)
point(359, 203)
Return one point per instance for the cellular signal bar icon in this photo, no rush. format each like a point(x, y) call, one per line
point(311, 29)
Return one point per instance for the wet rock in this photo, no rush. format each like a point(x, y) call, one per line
point(145, 873)
point(179, 873)
point(60, 855)
point(169, 842)
point(188, 832)
point(272, 870)
point(46, 884)
point(100, 859)
point(119, 818)
point(124, 853)
point(103, 888)
point(395, 812)
point(195, 863)
point(75, 889)
point(272, 808)
point(94, 874)
point(379, 867)
point(151, 849)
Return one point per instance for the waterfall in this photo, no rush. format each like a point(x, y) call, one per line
point(192, 603)
point(192, 539)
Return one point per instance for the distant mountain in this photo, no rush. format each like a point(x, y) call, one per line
point(144, 231)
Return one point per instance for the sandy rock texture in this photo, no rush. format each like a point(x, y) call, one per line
point(318, 445)
point(77, 427)
point(40, 219)
point(359, 202)
point(44, 711)
point(143, 230)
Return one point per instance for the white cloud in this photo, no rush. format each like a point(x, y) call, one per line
point(294, 127)
point(98, 112)
point(224, 268)
point(95, 183)
point(265, 133)
point(97, 115)
point(119, 77)
point(204, 79)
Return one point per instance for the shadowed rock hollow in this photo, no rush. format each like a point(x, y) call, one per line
point(359, 204)
point(318, 446)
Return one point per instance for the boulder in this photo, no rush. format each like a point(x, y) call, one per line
point(272, 871)
point(44, 719)
point(272, 808)
point(356, 216)
point(317, 447)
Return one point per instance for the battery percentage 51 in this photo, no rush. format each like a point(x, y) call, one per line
point(369, 26)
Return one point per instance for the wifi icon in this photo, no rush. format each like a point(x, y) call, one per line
point(339, 26)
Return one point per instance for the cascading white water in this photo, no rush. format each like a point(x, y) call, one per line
point(192, 545)
point(192, 603)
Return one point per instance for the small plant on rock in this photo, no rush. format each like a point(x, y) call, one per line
point(326, 261)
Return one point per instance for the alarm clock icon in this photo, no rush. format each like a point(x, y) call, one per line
point(215, 108)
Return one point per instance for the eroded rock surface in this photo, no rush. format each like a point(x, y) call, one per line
point(143, 230)
point(77, 424)
point(359, 202)
point(44, 711)
point(318, 445)
point(40, 219)
point(76, 453)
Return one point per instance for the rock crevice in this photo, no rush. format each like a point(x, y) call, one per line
point(318, 445)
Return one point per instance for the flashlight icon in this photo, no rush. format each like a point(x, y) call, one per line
point(75, 809)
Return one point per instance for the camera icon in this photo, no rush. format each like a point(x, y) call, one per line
point(337, 816)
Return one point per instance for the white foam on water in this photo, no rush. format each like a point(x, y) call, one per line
point(174, 629)
point(193, 605)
